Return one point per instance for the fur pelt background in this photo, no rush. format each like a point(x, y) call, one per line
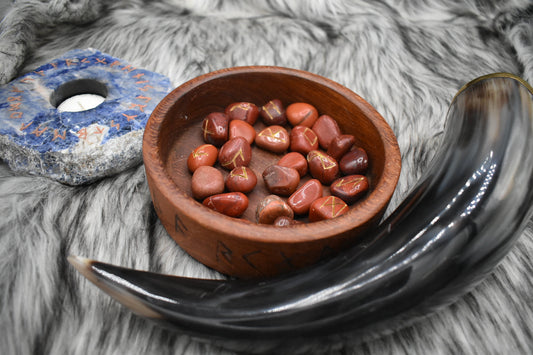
point(407, 58)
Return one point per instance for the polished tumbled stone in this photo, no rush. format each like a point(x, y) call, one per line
point(78, 147)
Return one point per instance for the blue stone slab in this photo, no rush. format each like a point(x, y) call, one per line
point(78, 147)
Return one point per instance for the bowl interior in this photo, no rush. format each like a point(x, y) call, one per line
point(175, 130)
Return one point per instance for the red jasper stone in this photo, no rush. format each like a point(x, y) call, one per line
point(204, 155)
point(280, 180)
point(349, 188)
point(326, 128)
point(294, 160)
point(241, 179)
point(340, 145)
point(301, 113)
point(272, 207)
point(235, 152)
point(322, 166)
point(206, 181)
point(242, 129)
point(243, 111)
point(273, 138)
point(231, 204)
point(355, 162)
point(215, 128)
point(326, 208)
point(273, 113)
point(300, 201)
point(283, 221)
point(303, 140)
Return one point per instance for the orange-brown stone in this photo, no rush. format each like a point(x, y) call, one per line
point(294, 160)
point(300, 201)
point(273, 138)
point(243, 129)
point(326, 128)
point(272, 207)
point(204, 155)
point(301, 113)
point(235, 152)
point(322, 166)
point(326, 208)
point(231, 204)
point(281, 180)
point(303, 140)
point(242, 179)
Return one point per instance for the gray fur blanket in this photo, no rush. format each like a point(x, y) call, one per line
point(407, 58)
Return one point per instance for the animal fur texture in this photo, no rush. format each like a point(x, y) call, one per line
point(407, 58)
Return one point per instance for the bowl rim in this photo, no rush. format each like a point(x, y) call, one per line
point(367, 209)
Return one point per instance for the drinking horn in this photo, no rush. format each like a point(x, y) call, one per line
point(457, 223)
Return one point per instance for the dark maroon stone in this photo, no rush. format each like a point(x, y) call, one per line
point(340, 145)
point(215, 128)
point(349, 188)
point(273, 113)
point(243, 111)
point(355, 162)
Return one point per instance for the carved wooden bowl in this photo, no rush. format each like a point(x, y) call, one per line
point(239, 246)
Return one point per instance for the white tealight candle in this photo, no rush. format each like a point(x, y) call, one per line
point(82, 102)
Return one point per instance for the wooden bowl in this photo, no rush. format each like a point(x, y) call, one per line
point(238, 246)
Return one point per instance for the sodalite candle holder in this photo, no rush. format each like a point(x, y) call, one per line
point(78, 147)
